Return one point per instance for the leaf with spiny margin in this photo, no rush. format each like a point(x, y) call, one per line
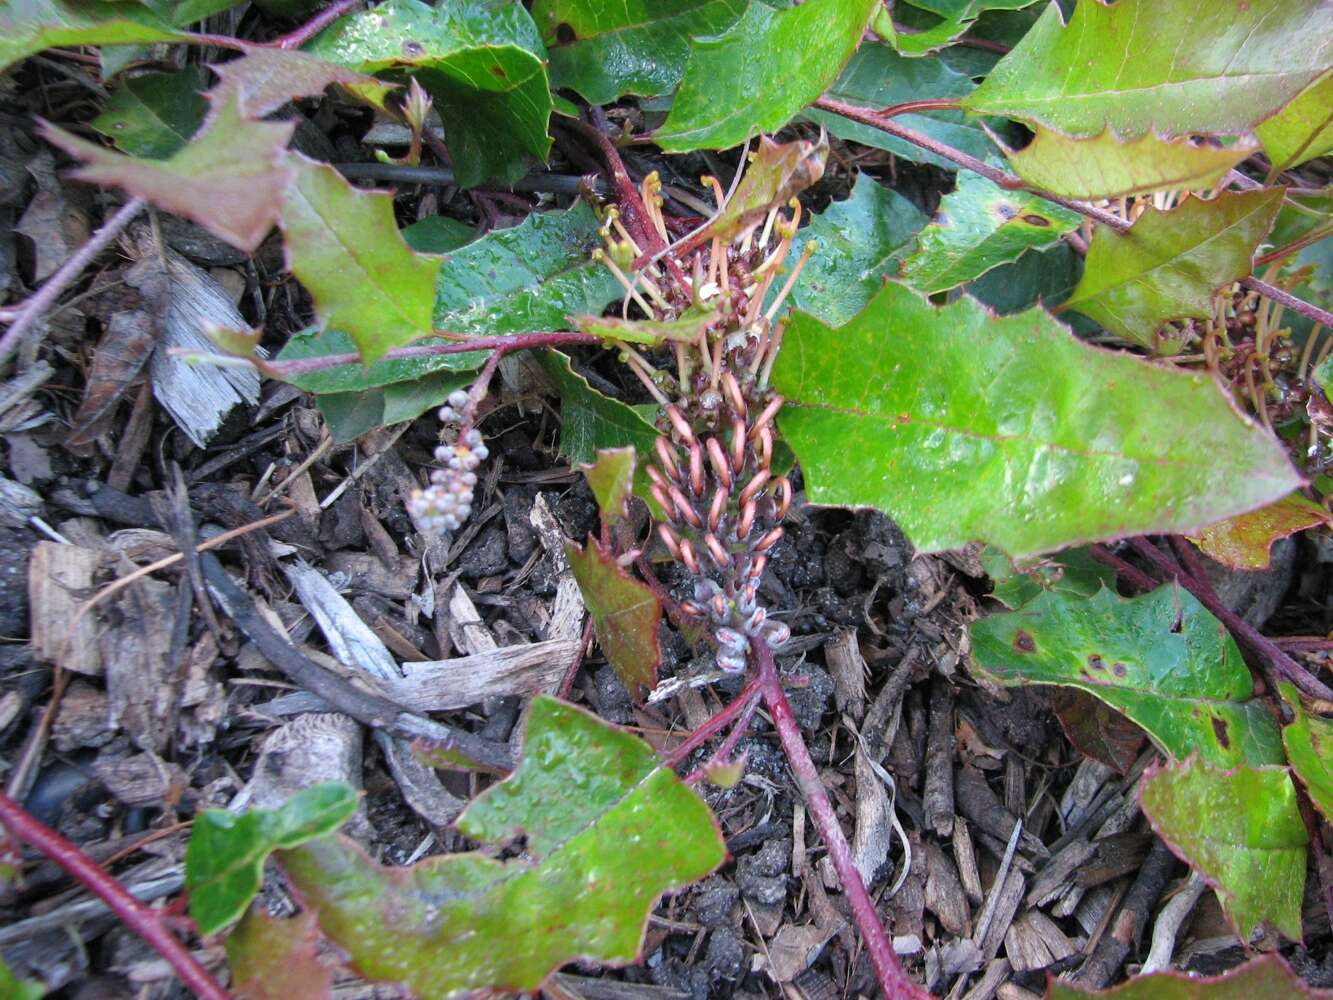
point(979, 226)
point(776, 173)
point(344, 246)
point(861, 241)
point(1302, 130)
point(760, 74)
point(482, 64)
point(154, 115)
point(686, 328)
point(1309, 742)
point(608, 828)
point(1244, 541)
point(964, 426)
point(230, 178)
point(956, 17)
point(1241, 830)
point(1169, 263)
point(277, 959)
point(625, 615)
point(29, 26)
point(611, 479)
point(1074, 572)
point(605, 51)
point(351, 414)
point(1040, 277)
point(877, 77)
point(1160, 658)
point(1097, 730)
point(1106, 166)
point(224, 861)
point(1267, 977)
point(1211, 68)
point(264, 79)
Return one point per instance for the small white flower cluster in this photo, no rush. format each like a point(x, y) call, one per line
point(447, 502)
point(736, 622)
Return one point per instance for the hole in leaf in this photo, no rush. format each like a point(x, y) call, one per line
point(1220, 731)
point(564, 33)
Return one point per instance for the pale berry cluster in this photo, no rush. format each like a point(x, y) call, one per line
point(447, 502)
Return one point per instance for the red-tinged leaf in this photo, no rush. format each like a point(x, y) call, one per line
point(625, 615)
point(344, 246)
point(776, 173)
point(28, 26)
point(688, 327)
point(608, 829)
point(274, 959)
point(1265, 978)
point(264, 79)
point(1244, 541)
point(1096, 729)
point(120, 356)
point(1309, 742)
point(611, 479)
point(1242, 831)
point(230, 178)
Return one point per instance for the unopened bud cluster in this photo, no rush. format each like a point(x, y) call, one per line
point(447, 502)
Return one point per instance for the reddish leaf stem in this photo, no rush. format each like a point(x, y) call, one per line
point(1131, 574)
point(728, 747)
point(295, 39)
point(927, 104)
point(1305, 643)
point(136, 916)
point(750, 693)
point(567, 682)
point(893, 979)
point(504, 343)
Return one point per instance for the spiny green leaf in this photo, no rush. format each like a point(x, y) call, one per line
point(1267, 977)
point(230, 178)
point(590, 421)
point(351, 414)
point(861, 241)
point(344, 246)
point(1106, 166)
point(224, 861)
point(605, 51)
point(1074, 573)
point(956, 17)
point(964, 427)
point(625, 614)
point(1309, 742)
point(1244, 541)
point(1168, 264)
point(608, 831)
point(1303, 129)
point(264, 79)
point(154, 115)
point(1160, 658)
point(483, 64)
point(1039, 277)
point(1242, 831)
point(277, 959)
point(878, 77)
point(1213, 68)
point(611, 479)
point(758, 75)
point(438, 234)
point(979, 226)
point(29, 26)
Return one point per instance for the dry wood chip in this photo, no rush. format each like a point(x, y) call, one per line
point(793, 949)
point(306, 751)
point(937, 798)
point(420, 785)
point(141, 675)
point(997, 973)
point(944, 893)
point(142, 779)
point(842, 654)
point(965, 853)
point(81, 720)
point(60, 579)
point(567, 608)
point(1033, 941)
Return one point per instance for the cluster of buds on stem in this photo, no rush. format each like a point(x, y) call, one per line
point(447, 502)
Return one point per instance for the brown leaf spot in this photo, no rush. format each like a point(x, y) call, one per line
point(1119, 669)
point(1096, 662)
point(1220, 731)
point(1024, 643)
point(499, 71)
point(1036, 220)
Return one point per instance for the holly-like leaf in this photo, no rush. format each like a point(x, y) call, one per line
point(1073, 572)
point(1106, 166)
point(955, 17)
point(611, 479)
point(29, 26)
point(1302, 130)
point(605, 51)
point(1210, 68)
point(608, 828)
point(1244, 541)
point(964, 426)
point(762, 72)
point(1268, 977)
point(1309, 742)
point(625, 614)
point(482, 64)
point(275, 959)
point(351, 414)
point(591, 421)
point(861, 241)
point(979, 226)
point(264, 79)
point(344, 246)
point(1241, 830)
point(878, 77)
point(224, 861)
point(1168, 264)
point(154, 115)
point(1096, 729)
point(230, 178)
point(1039, 277)
point(1161, 658)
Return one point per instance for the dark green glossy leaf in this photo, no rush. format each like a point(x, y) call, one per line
point(351, 414)
point(920, 35)
point(1242, 831)
point(1039, 277)
point(154, 115)
point(1168, 264)
point(1242, 67)
point(277, 959)
point(757, 76)
point(625, 614)
point(591, 421)
point(878, 77)
point(967, 427)
point(861, 242)
point(1073, 573)
point(1161, 658)
point(29, 26)
point(608, 830)
point(1302, 130)
point(483, 64)
point(605, 51)
point(438, 234)
point(1244, 541)
point(1267, 977)
point(979, 226)
point(224, 861)
point(1309, 742)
